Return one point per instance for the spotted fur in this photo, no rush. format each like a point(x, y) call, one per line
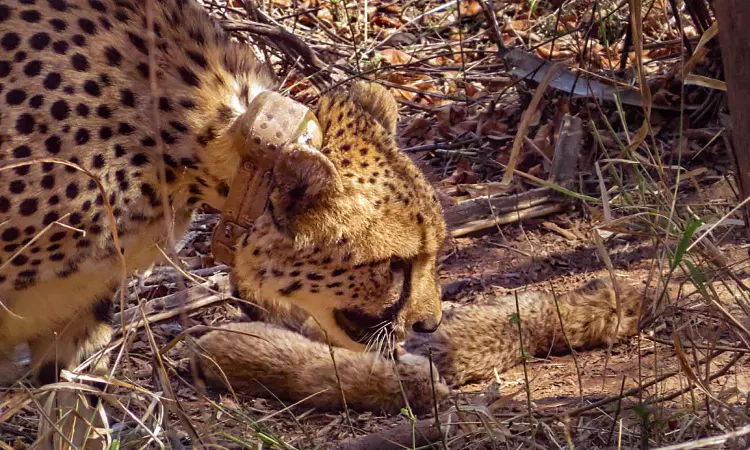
point(473, 342)
point(350, 229)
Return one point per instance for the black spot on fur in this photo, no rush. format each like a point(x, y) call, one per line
point(39, 41)
point(31, 16)
point(114, 57)
point(87, 26)
point(15, 97)
point(289, 290)
point(10, 234)
point(28, 206)
point(50, 217)
point(138, 42)
point(52, 144)
point(52, 81)
point(164, 104)
point(103, 111)
point(32, 68)
point(17, 186)
point(4, 13)
point(79, 62)
point(58, 24)
point(59, 5)
point(22, 151)
point(10, 41)
point(208, 135)
point(25, 124)
point(188, 76)
point(127, 98)
point(92, 88)
point(197, 58)
point(60, 47)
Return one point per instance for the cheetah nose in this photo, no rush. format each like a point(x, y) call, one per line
point(427, 324)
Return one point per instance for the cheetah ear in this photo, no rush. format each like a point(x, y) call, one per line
point(305, 182)
point(377, 101)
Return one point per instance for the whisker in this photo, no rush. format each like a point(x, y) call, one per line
point(385, 322)
point(371, 339)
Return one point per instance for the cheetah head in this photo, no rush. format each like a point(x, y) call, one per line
point(352, 232)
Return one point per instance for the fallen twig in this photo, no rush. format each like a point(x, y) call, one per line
point(482, 207)
point(515, 216)
point(171, 305)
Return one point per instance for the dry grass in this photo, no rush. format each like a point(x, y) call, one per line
point(646, 177)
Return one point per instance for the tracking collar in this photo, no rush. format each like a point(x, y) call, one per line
point(271, 122)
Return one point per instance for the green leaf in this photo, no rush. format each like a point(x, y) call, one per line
point(687, 236)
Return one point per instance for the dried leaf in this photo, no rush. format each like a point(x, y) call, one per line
point(385, 21)
point(462, 175)
point(698, 80)
point(325, 16)
point(418, 128)
point(470, 8)
point(394, 56)
point(448, 117)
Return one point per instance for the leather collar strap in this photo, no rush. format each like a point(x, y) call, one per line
point(271, 122)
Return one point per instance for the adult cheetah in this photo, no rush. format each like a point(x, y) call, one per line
point(350, 232)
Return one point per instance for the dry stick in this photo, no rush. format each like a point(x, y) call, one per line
point(185, 308)
point(173, 301)
point(487, 205)
point(525, 367)
point(287, 42)
point(154, 91)
point(567, 341)
point(698, 346)
point(529, 213)
point(715, 375)
point(439, 146)
point(434, 400)
point(175, 406)
point(489, 14)
point(252, 12)
point(710, 441)
point(523, 127)
point(617, 412)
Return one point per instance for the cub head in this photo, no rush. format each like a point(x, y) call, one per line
point(352, 231)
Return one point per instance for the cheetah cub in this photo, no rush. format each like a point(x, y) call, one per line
point(261, 358)
point(350, 232)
